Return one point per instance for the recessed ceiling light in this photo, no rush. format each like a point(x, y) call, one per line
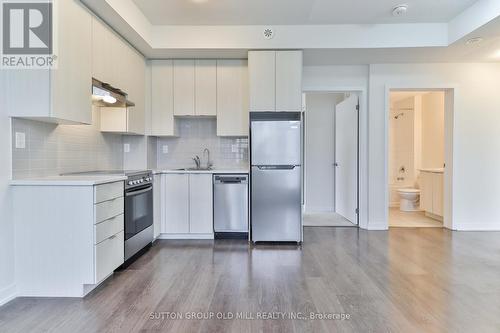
point(399, 10)
point(474, 40)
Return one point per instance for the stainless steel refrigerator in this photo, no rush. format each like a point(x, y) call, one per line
point(276, 176)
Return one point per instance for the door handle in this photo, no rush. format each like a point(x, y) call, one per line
point(335, 164)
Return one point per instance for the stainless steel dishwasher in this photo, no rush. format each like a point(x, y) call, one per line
point(231, 206)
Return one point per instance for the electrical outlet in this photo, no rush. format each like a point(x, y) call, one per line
point(164, 149)
point(126, 148)
point(20, 140)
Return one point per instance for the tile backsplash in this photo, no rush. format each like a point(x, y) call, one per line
point(52, 149)
point(196, 134)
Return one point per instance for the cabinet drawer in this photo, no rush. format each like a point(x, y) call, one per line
point(108, 228)
point(108, 209)
point(107, 192)
point(109, 255)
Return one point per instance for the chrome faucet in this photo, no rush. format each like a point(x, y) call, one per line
point(197, 160)
point(209, 165)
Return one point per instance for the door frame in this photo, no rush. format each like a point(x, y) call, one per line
point(450, 96)
point(361, 91)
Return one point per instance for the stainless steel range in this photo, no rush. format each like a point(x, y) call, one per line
point(138, 212)
point(138, 199)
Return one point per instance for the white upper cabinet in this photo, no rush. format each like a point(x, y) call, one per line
point(162, 98)
point(184, 88)
point(102, 61)
point(117, 63)
point(288, 80)
point(206, 87)
point(262, 79)
point(60, 95)
point(275, 80)
point(232, 98)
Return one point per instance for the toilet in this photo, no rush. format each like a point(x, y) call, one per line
point(409, 199)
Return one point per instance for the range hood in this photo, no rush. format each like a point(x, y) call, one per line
point(105, 95)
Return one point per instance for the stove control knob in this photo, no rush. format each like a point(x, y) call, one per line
point(130, 182)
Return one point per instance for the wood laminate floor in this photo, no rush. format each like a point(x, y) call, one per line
point(402, 280)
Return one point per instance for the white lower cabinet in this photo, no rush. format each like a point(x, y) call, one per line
point(109, 255)
point(69, 238)
point(188, 206)
point(200, 204)
point(157, 206)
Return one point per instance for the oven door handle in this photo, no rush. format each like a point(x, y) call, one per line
point(147, 189)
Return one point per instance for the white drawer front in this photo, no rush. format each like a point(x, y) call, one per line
point(107, 192)
point(109, 255)
point(108, 209)
point(108, 228)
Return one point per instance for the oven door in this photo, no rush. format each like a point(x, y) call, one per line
point(138, 210)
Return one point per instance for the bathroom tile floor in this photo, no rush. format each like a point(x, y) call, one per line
point(398, 218)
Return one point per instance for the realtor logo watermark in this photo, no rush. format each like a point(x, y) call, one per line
point(28, 34)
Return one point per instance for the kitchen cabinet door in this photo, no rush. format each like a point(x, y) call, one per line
point(262, 80)
point(184, 85)
point(206, 87)
point(426, 191)
point(136, 90)
point(157, 206)
point(162, 98)
point(176, 204)
point(437, 194)
point(232, 98)
point(288, 80)
point(71, 81)
point(201, 204)
point(101, 50)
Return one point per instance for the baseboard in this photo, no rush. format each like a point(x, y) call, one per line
point(186, 236)
point(8, 294)
point(374, 226)
point(476, 227)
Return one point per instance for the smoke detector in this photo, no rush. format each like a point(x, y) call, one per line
point(268, 33)
point(400, 10)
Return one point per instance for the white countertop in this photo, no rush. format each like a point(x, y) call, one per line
point(435, 170)
point(71, 180)
point(213, 171)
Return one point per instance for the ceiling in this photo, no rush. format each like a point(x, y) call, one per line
point(295, 12)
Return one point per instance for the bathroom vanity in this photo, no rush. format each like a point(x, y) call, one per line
point(432, 193)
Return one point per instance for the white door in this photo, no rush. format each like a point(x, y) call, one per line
point(346, 158)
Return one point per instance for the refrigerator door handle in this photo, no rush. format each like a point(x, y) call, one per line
point(276, 167)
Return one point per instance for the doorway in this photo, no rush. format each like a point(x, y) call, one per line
point(331, 159)
point(416, 158)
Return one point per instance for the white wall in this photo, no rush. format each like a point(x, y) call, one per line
point(473, 162)
point(320, 151)
point(433, 130)
point(7, 286)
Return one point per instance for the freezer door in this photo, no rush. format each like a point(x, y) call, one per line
point(275, 142)
point(276, 204)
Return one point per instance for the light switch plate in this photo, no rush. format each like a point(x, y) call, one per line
point(164, 149)
point(20, 140)
point(126, 148)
